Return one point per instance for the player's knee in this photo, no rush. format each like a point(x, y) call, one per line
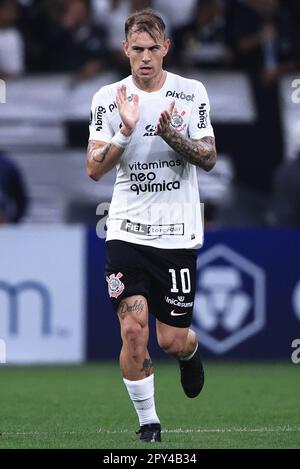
point(133, 333)
point(173, 346)
point(131, 330)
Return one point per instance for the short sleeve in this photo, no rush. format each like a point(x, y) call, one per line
point(200, 125)
point(100, 128)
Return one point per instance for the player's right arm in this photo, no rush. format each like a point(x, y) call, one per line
point(102, 155)
point(101, 158)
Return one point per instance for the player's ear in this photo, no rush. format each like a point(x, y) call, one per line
point(167, 44)
point(126, 48)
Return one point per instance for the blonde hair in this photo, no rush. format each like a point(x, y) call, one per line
point(148, 21)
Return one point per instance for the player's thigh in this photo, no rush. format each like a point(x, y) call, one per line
point(171, 338)
point(125, 277)
point(173, 285)
point(133, 316)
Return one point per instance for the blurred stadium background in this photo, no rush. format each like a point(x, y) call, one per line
point(54, 309)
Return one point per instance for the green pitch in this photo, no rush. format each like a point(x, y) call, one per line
point(241, 406)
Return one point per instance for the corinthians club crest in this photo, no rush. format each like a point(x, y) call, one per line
point(115, 286)
point(177, 120)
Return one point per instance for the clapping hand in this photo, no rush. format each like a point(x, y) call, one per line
point(129, 112)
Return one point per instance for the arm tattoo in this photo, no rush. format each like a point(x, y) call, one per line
point(201, 152)
point(98, 154)
point(147, 367)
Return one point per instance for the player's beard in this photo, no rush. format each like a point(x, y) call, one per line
point(155, 78)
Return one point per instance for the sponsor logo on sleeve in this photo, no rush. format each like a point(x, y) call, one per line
point(202, 116)
point(98, 117)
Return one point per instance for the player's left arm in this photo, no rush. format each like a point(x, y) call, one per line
point(200, 152)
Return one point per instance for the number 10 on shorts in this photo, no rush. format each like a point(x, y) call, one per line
point(185, 279)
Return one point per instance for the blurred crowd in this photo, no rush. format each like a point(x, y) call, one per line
point(13, 192)
point(84, 37)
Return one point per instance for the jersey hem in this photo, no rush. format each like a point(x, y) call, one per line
point(154, 243)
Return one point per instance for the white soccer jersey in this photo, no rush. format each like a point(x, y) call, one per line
point(156, 197)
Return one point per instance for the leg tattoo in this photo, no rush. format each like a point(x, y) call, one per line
point(147, 367)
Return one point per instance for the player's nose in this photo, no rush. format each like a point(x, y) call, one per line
point(146, 56)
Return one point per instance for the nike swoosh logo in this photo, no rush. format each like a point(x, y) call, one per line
point(173, 313)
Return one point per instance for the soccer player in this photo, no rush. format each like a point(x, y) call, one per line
point(154, 128)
